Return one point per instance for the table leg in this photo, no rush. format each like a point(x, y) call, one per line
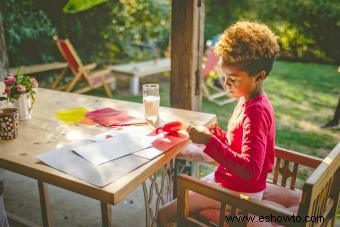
point(134, 85)
point(161, 184)
point(113, 84)
point(44, 204)
point(195, 169)
point(106, 214)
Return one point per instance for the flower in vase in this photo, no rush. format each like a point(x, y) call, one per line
point(21, 89)
point(19, 84)
point(34, 82)
point(7, 91)
point(10, 80)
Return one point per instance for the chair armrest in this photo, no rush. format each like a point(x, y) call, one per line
point(296, 157)
point(100, 73)
point(89, 66)
point(187, 183)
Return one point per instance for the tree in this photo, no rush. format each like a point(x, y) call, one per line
point(318, 20)
point(107, 32)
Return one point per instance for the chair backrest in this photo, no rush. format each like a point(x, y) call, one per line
point(210, 64)
point(69, 53)
point(286, 166)
point(321, 190)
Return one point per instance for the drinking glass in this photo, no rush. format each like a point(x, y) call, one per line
point(151, 102)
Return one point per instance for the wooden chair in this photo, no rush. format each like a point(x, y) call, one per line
point(94, 79)
point(318, 199)
point(214, 90)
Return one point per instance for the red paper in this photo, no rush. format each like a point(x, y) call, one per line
point(173, 126)
point(169, 141)
point(109, 117)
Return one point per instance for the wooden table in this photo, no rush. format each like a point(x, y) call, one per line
point(140, 69)
point(43, 132)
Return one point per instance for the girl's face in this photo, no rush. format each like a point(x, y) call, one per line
point(238, 83)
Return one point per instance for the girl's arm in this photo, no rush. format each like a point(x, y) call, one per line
point(247, 164)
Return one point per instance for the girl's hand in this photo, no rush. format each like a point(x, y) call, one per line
point(199, 134)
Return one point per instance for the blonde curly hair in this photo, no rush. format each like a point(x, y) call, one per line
point(251, 46)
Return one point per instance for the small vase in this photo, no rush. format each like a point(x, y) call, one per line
point(24, 105)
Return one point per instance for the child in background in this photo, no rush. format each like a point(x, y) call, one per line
point(245, 152)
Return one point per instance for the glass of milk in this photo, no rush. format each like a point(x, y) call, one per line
point(151, 103)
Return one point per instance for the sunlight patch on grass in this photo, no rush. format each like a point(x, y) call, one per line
point(308, 126)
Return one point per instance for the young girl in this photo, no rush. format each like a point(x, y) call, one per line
point(245, 152)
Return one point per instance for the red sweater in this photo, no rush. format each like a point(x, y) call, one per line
point(245, 153)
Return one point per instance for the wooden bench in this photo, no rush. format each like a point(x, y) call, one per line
point(318, 199)
point(32, 69)
point(140, 69)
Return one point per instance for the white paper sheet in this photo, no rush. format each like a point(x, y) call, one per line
point(109, 149)
point(149, 153)
point(135, 130)
point(68, 161)
point(65, 160)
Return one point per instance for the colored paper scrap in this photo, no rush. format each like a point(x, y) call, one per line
point(169, 140)
point(111, 117)
point(72, 116)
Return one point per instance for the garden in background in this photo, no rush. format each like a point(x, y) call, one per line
point(304, 85)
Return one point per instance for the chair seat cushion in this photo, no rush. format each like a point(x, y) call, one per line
point(96, 78)
point(281, 195)
point(274, 195)
point(211, 216)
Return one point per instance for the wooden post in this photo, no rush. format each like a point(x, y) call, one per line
point(4, 68)
point(186, 55)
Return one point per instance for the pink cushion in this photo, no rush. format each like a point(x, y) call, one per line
point(274, 195)
point(281, 195)
point(211, 215)
point(96, 80)
point(294, 209)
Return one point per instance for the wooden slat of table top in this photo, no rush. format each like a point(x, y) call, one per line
point(43, 132)
point(39, 68)
point(144, 68)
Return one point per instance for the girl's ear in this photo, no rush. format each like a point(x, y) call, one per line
point(260, 76)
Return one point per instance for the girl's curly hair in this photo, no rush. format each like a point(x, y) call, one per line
point(251, 46)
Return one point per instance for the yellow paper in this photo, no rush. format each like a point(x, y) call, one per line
point(72, 116)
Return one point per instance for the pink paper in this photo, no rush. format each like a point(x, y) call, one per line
point(108, 117)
